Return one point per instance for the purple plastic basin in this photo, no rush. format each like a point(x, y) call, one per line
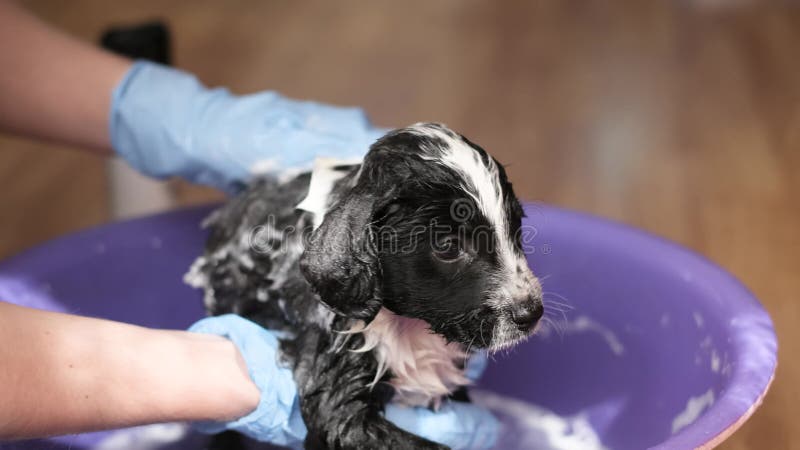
point(656, 347)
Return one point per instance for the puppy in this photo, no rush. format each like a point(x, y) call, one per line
point(412, 261)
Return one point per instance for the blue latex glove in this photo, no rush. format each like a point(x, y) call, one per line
point(277, 418)
point(166, 123)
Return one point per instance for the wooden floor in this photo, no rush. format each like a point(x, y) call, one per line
point(680, 117)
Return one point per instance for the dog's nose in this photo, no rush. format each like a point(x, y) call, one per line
point(526, 314)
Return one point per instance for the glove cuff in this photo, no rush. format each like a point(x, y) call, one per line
point(148, 124)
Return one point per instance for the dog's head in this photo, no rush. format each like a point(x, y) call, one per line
point(431, 229)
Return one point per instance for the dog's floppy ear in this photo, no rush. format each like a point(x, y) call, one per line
point(340, 261)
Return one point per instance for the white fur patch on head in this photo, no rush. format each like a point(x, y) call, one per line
point(424, 367)
point(481, 182)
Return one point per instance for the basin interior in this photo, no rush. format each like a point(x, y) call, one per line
point(648, 344)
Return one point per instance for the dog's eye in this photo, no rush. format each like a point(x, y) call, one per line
point(448, 249)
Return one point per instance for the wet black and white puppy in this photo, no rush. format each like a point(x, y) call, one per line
point(407, 263)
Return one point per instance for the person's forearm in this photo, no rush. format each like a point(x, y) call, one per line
point(65, 374)
point(53, 86)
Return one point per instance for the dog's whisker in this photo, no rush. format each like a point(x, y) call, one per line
point(553, 303)
point(467, 354)
point(562, 315)
point(549, 324)
point(556, 305)
point(544, 277)
point(559, 325)
point(564, 300)
point(557, 308)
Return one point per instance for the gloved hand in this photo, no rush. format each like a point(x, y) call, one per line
point(277, 418)
point(165, 123)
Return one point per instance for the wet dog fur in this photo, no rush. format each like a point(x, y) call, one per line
point(415, 263)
